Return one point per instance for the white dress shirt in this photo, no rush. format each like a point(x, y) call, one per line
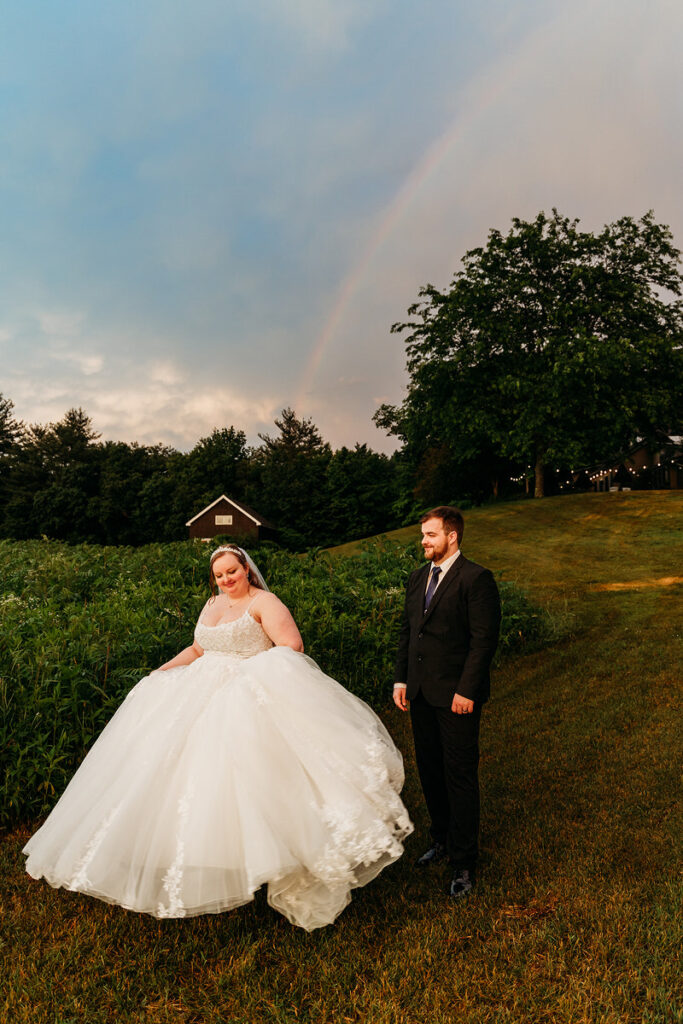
point(444, 566)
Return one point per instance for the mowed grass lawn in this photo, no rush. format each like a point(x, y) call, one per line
point(578, 913)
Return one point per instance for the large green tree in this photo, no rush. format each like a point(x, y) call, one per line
point(288, 481)
point(552, 347)
point(10, 428)
point(216, 465)
point(361, 489)
point(10, 436)
point(125, 471)
point(54, 481)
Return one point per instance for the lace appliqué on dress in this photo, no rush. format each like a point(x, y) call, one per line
point(351, 844)
point(173, 879)
point(80, 878)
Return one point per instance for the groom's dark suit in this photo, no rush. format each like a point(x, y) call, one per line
point(447, 650)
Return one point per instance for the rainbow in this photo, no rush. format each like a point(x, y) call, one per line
point(411, 187)
point(407, 192)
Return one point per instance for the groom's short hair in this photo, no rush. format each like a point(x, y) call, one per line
point(450, 516)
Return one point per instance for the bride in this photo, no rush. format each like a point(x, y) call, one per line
point(236, 764)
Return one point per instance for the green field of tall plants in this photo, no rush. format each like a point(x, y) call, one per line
point(82, 624)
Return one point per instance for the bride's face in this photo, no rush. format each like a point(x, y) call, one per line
point(231, 576)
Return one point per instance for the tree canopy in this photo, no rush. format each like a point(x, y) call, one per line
point(553, 347)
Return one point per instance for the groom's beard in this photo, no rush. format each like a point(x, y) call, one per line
point(435, 553)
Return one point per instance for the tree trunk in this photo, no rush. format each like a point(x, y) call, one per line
point(539, 491)
point(494, 486)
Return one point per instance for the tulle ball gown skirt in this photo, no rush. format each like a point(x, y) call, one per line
point(214, 779)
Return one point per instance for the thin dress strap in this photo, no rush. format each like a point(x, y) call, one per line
point(201, 616)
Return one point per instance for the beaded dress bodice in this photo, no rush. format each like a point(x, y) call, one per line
point(241, 638)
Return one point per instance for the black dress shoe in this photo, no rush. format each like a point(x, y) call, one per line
point(461, 883)
point(433, 855)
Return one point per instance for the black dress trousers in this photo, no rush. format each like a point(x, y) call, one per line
point(447, 752)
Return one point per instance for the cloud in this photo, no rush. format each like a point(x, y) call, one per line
point(85, 363)
point(321, 24)
point(154, 402)
point(164, 403)
point(64, 323)
point(167, 374)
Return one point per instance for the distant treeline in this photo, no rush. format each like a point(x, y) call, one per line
point(60, 481)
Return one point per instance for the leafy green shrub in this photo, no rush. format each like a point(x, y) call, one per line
point(80, 625)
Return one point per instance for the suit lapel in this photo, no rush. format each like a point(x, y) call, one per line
point(417, 598)
point(443, 587)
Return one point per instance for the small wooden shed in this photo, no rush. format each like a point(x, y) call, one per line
point(227, 517)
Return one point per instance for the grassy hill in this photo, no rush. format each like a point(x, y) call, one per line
point(579, 539)
point(577, 916)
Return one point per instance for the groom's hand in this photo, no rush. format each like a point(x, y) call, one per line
point(400, 696)
point(461, 705)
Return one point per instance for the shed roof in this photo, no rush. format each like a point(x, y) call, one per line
point(240, 506)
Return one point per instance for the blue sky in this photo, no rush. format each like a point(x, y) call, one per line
point(212, 210)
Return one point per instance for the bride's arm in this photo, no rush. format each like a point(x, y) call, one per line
point(186, 657)
point(278, 623)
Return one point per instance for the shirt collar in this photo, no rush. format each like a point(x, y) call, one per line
point(445, 566)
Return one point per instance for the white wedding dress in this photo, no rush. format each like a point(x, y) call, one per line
point(248, 766)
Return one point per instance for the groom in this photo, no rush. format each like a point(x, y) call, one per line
point(451, 622)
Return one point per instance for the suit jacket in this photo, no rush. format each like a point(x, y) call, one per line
point(449, 649)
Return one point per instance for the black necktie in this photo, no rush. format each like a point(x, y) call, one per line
point(431, 586)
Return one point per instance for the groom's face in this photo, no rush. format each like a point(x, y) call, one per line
point(436, 543)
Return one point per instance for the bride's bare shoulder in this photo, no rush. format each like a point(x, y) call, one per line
point(264, 602)
point(205, 608)
point(266, 599)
